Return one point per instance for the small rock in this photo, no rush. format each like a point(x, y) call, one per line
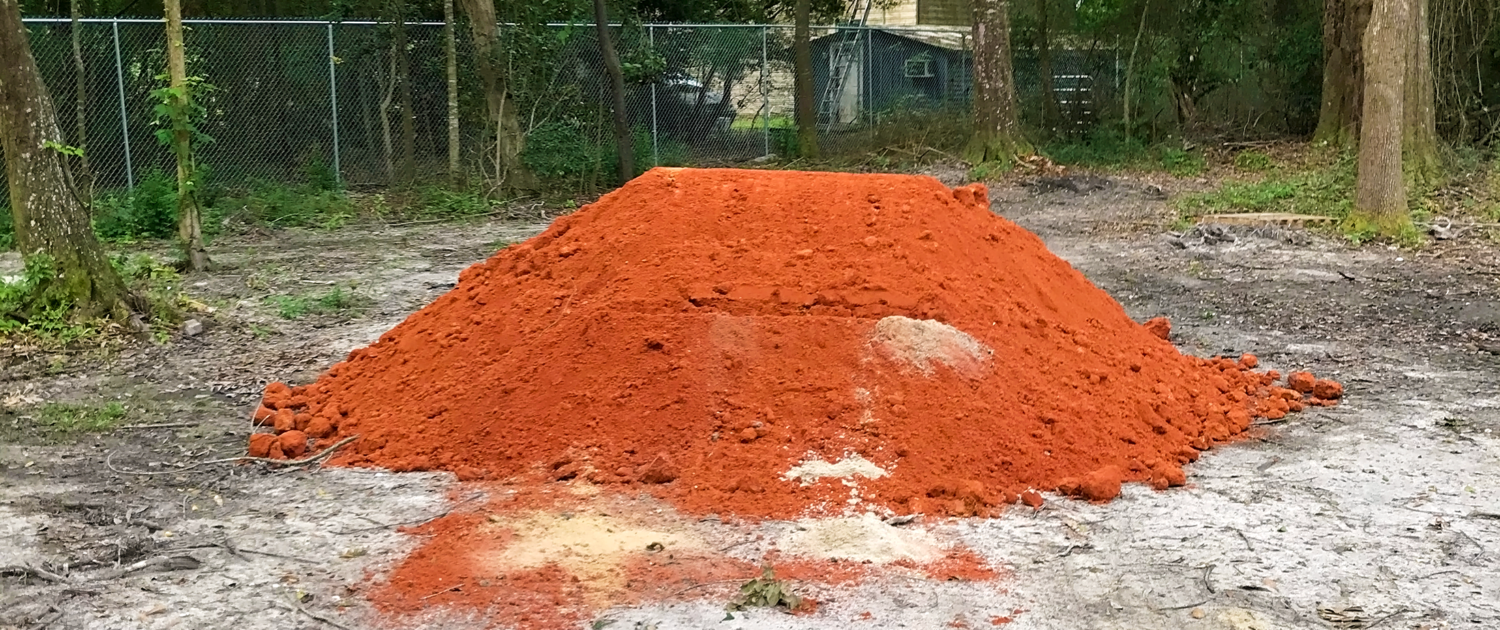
point(1327, 390)
point(1301, 381)
point(1198, 613)
point(1031, 499)
point(1159, 326)
point(260, 444)
point(293, 443)
point(192, 328)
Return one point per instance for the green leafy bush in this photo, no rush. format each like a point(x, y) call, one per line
point(149, 211)
point(279, 205)
point(7, 230)
point(1103, 147)
point(1182, 163)
point(32, 303)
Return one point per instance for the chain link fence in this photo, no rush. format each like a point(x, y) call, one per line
point(296, 101)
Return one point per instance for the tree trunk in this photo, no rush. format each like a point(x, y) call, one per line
point(189, 221)
point(49, 219)
point(1344, 26)
point(624, 144)
point(1130, 66)
point(1420, 144)
point(451, 50)
point(1380, 191)
point(85, 178)
point(997, 132)
point(408, 167)
point(509, 173)
point(387, 146)
point(802, 79)
point(1051, 116)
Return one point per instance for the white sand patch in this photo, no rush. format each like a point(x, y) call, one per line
point(860, 539)
point(591, 547)
point(924, 343)
point(810, 472)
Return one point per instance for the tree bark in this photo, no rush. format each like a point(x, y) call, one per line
point(85, 178)
point(802, 79)
point(386, 144)
point(48, 218)
point(624, 144)
point(1380, 191)
point(1051, 115)
point(189, 220)
point(450, 48)
point(1420, 144)
point(509, 173)
point(408, 166)
point(1344, 26)
point(997, 131)
point(1130, 66)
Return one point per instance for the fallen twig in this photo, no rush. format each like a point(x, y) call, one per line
point(164, 425)
point(451, 588)
point(145, 564)
point(1385, 618)
point(262, 460)
point(703, 584)
point(47, 619)
point(36, 571)
point(309, 613)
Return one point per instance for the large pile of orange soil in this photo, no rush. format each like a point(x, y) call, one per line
point(771, 344)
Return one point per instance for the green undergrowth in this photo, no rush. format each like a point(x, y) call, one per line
point(334, 300)
point(1107, 149)
point(31, 310)
point(1325, 190)
point(61, 422)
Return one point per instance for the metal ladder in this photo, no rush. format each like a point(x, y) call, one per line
point(843, 55)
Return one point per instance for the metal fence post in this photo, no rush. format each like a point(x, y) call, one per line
point(333, 97)
point(765, 97)
point(124, 117)
point(655, 151)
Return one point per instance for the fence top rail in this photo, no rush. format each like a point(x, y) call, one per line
point(367, 22)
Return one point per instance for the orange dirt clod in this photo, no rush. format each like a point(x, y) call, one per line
point(1161, 327)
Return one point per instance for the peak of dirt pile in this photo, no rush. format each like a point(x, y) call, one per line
point(770, 343)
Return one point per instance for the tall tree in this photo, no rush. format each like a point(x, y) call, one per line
point(1380, 191)
point(500, 110)
point(1051, 116)
point(450, 50)
point(624, 144)
point(1344, 26)
point(179, 101)
point(49, 218)
point(408, 166)
point(1419, 144)
point(997, 130)
point(85, 175)
point(802, 80)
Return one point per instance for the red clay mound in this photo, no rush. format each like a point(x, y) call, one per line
point(728, 338)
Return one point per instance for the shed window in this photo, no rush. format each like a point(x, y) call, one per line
point(919, 66)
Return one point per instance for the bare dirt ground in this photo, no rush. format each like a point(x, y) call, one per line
point(1381, 512)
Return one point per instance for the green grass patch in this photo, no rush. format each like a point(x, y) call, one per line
point(61, 422)
point(65, 420)
point(334, 300)
point(1326, 191)
point(1253, 162)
